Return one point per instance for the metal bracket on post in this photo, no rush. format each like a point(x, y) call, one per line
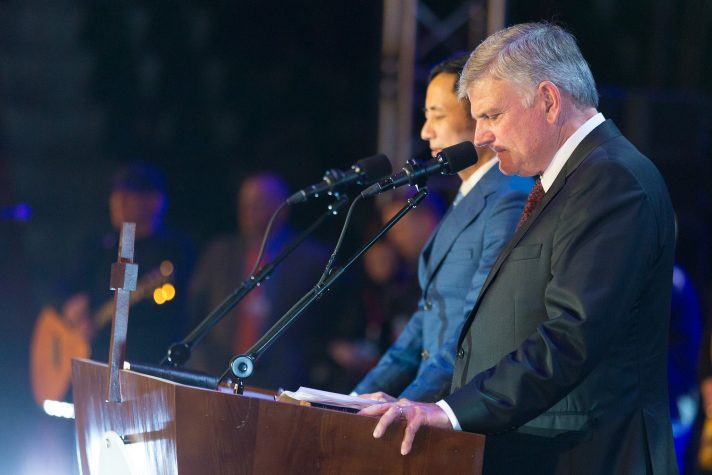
point(124, 274)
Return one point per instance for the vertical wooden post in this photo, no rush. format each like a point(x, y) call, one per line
point(124, 274)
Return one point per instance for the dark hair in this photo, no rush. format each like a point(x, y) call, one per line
point(138, 176)
point(271, 181)
point(452, 65)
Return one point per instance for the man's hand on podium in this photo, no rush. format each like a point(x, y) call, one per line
point(378, 396)
point(416, 415)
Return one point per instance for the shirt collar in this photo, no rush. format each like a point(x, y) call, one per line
point(470, 183)
point(562, 155)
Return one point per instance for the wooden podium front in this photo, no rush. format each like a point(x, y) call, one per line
point(166, 428)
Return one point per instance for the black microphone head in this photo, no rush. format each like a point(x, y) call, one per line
point(458, 157)
point(372, 168)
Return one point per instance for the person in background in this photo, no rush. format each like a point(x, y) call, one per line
point(388, 289)
point(410, 234)
point(683, 357)
point(227, 261)
point(165, 258)
point(686, 344)
point(456, 257)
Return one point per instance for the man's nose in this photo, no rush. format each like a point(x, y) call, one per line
point(426, 133)
point(483, 136)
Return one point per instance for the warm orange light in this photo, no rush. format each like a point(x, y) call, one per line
point(168, 291)
point(158, 296)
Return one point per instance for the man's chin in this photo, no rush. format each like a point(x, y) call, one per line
point(506, 169)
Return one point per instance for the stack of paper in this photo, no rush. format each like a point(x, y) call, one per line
point(327, 398)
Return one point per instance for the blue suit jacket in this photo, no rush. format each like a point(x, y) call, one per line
point(453, 266)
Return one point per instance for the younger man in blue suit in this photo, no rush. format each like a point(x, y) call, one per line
point(456, 258)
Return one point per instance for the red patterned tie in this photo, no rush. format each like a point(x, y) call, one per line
point(533, 200)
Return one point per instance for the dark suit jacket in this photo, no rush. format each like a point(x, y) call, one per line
point(453, 265)
point(562, 361)
point(221, 269)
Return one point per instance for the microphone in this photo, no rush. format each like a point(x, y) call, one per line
point(415, 172)
point(363, 172)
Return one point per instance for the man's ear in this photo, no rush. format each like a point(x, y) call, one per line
point(551, 96)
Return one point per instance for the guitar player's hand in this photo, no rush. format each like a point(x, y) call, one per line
point(76, 313)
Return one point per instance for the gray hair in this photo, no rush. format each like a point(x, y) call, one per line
point(527, 54)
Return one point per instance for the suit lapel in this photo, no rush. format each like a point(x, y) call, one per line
point(458, 218)
point(598, 136)
point(424, 275)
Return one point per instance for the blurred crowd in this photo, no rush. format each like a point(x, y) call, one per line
point(332, 345)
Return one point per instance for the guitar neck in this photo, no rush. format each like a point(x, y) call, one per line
point(145, 287)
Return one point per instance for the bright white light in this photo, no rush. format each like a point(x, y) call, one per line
point(58, 409)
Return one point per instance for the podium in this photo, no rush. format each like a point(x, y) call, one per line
point(161, 427)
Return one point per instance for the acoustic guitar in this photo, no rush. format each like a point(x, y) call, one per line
point(55, 341)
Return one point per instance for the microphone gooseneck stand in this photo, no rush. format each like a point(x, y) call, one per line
point(242, 366)
point(179, 353)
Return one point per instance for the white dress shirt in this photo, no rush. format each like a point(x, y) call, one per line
point(470, 183)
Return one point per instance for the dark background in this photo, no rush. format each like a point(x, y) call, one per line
point(214, 90)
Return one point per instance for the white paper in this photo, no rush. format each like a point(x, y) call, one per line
point(332, 399)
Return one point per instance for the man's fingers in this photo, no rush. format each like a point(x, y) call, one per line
point(371, 396)
point(378, 396)
point(374, 410)
point(393, 413)
point(411, 429)
point(381, 396)
point(415, 414)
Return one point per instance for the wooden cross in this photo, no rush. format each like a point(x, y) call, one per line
point(124, 274)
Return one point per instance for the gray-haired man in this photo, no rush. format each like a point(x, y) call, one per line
point(562, 362)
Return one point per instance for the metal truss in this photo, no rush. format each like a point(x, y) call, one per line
point(415, 35)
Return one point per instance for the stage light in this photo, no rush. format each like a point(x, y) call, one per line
point(58, 409)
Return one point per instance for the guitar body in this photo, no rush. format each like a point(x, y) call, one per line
point(54, 344)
